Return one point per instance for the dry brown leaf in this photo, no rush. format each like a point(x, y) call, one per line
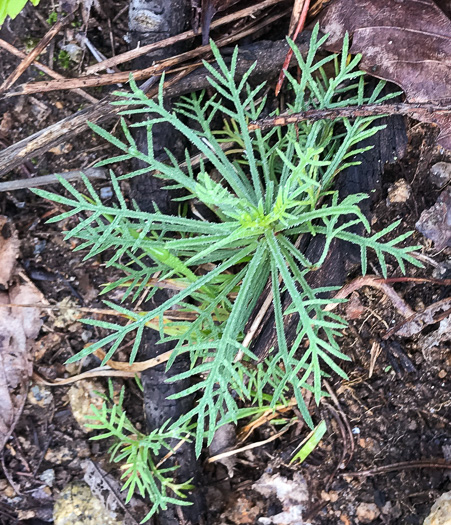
point(435, 223)
point(404, 41)
point(434, 313)
point(9, 249)
point(18, 327)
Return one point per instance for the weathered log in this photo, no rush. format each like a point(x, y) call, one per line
point(150, 21)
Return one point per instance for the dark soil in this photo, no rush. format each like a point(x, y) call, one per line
point(399, 413)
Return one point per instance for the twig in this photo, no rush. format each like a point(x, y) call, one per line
point(112, 369)
point(417, 111)
point(8, 475)
point(45, 69)
point(135, 53)
point(344, 452)
point(34, 53)
point(91, 173)
point(299, 28)
point(403, 465)
point(96, 372)
point(176, 315)
point(84, 41)
point(140, 74)
point(345, 430)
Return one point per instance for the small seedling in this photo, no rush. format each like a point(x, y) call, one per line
point(53, 17)
point(277, 185)
point(64, 59)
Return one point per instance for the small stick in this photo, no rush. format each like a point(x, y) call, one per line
point(91, 173)
point(417, 111)
point(134, 53)
point(96, 372)
point(45, 69)
point(403, 465)
point(34, 53)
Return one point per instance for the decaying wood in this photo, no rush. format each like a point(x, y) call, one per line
point(267, 55)
point(170, 19)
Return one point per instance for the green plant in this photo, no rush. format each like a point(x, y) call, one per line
point(139, 452)
point(12, 8)
point(272, 188)
point(64, 59)
point(53, 17)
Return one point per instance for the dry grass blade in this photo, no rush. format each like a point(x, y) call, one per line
point(252, 445)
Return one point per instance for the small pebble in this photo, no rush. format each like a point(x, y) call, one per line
point(440, 511)
point(367, 512)
point(399, 192)
point(48, 477)
point(40, 395)
point(76, 505)
point(441, 174)
point(81, 396)
point(106, 192)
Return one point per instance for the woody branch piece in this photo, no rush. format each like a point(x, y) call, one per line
point(144, 50)
point(417, 111)
point(45, 69)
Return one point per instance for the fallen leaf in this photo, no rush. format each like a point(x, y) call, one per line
point(403, 41)
point(435, 223)
point(18, 328)
point(436, 312)
point(9, 249)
